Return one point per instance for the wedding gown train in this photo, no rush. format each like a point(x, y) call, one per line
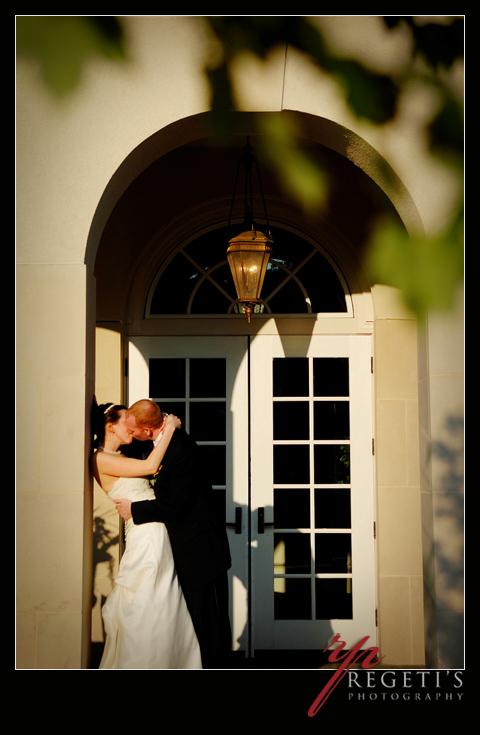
point(147, 624)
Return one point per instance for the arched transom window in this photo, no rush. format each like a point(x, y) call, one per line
point(197, 279)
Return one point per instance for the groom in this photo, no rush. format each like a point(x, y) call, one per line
point(199, 541)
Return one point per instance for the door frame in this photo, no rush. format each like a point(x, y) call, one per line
point(267, 631)
point(240, 433)
point(235, 351)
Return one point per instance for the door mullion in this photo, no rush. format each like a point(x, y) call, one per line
point(187, 395)
point(249, 649)
point(311, 437)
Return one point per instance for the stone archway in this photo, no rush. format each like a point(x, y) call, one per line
point(179, 183)
point(199, 128)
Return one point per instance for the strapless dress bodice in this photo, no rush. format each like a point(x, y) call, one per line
point(131, 488)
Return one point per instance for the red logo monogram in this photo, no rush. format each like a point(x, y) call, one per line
point(347, 663)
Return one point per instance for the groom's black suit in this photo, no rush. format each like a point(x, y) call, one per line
point(184, 502)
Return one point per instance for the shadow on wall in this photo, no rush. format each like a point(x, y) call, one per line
point(103, 542)
point(447, 562)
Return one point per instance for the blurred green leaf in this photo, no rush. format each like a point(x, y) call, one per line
point(370, 96)
point(446, 135)
point(62, 44)
point(300, 175)
point(427, 270)
point(439, 43)
point(221, 98)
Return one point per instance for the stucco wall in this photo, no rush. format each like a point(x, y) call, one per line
point(68, 153)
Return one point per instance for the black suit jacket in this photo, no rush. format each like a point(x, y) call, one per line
point(184, 502)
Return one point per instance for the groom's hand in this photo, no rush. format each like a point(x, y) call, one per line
point(124, 507)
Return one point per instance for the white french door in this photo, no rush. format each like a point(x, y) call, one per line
point(204, 381)
point(286, 425)
point(312, 491)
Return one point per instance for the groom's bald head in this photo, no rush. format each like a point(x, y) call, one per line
point(146, 413)
point(143, 419)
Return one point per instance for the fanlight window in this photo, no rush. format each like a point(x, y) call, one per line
point(197, 279)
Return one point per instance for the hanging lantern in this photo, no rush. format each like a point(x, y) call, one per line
point(249, 252)
point(248, 255)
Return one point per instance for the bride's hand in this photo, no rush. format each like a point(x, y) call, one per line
point(173, 421)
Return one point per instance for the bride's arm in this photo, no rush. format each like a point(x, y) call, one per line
point(120, 466)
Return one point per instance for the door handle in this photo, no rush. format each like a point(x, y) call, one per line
point(261, 521)
point(238, 521)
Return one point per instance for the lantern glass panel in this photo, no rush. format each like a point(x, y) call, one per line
point(248, 269)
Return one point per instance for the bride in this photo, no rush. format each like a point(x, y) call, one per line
point(147, 624)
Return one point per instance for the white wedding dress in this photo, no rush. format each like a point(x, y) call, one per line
point(147, 624)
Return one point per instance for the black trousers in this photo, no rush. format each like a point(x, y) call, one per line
point(208, 607)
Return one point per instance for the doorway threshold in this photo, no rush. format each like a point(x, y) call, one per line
point(283, 659)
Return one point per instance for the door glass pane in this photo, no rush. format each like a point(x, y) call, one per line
point(322, 285)
point(214, 457)
point(293, 599)
point(290, 376)
point(291, 465)
point(209, 300)
point(291, 420)
point(178, 408)
point(333, 599)
point(292, 596)
point(332, 508)
point(292, 508)
point(207, 378)
point(274, 277)
point(202, 418)
point(167, 378)
point(332, 463)
point(333, 553)
point(223, 276)
point(207, 421)
point(331, 420)
point(290, 298)
point(175, 286)
point(330, 376)
point(292, 553)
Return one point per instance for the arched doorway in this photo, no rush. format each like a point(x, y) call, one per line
point(296, 584)
point(282, 417)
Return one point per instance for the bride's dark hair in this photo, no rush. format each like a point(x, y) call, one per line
point(101, 415)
